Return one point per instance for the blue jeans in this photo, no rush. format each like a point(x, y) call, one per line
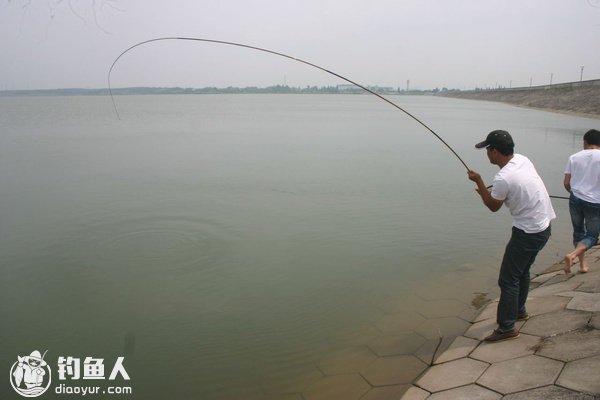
point(520, 253)
point(585, 217)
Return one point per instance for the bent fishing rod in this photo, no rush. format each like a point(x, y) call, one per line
point(285, 56)
point(246, 46)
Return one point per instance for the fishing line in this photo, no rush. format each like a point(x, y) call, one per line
point(285, 56)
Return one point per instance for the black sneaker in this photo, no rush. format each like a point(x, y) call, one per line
point(498, 336)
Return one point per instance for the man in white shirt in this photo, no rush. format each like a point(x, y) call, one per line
point(520, 188)
point(582, 180)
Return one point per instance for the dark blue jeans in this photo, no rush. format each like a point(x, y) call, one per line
point(520, 253)
point(585, 217)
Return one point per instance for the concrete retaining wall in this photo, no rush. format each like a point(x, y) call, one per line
point(575, 97)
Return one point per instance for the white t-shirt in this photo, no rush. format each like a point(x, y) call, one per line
point(525, 195)
point(584, 167)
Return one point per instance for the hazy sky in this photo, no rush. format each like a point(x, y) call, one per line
point(433, 43)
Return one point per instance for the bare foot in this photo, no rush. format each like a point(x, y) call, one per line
point(583, 268)
point(568, 263)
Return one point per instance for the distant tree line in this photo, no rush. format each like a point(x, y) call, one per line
point(277, 89)
point(269, 89)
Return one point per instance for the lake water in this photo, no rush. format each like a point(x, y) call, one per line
point(236, 246)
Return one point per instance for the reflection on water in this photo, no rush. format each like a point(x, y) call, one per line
point(255, 246)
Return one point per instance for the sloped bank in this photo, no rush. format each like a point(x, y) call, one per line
point(581, 98)
point(556, 356)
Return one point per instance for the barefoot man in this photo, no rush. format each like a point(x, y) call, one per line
point(518, 186)
point(582, 180)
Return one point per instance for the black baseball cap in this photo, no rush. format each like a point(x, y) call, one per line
point(498, 138)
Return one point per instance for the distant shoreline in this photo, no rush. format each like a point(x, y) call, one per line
point(574, 98)
point(277, 89)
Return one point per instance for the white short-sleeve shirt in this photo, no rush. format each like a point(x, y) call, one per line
point(584, 168)
point(525, 195)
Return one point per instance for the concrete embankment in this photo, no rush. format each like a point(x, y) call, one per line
point(556, 356)
point(575, 97)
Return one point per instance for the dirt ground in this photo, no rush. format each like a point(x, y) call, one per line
point(583, 99)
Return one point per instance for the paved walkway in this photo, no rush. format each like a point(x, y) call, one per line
point(557, 355)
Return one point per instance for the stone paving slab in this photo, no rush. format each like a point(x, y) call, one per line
point(489, 312)
point(557, 355)
point(468, 314)
point(580, 279)
point(409, 302)
point(460, 347)
point(338, 387)
point(542, 278)
point(583, 301)
point(392, 345)
point(386, 392)
point(354, 338)
point(441, 308)
point(470, 392)
point(439, 291)
point(595, 321)
point(549, 393)
point(347, 361)
point(291, 381)
point(400, 322)
point(582, 375)
point(436, 327)
point(524, 345)
point(426, 352)
point(386, 371)
point(557, 279)
point(521, 374)
point(415, 393)
point(556, 323)
point(591, 283)
point(546, 304)
point(572, 346)
point(566, 286)
point(481, 329)
point(452, 374)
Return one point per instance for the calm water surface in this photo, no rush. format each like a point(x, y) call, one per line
point(227, 246)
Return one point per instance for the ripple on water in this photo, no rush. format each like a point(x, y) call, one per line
point(179, 242)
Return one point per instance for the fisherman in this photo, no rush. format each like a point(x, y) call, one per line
point(582, 180)
point(520, 188)
point(30, 370)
